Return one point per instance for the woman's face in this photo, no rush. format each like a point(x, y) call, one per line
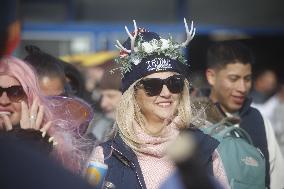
point(159, 107)
point(9, 103)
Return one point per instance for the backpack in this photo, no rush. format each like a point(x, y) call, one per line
point(244, 164)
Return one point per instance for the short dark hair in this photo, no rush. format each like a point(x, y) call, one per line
point(75, 80)
point(44, 64)
point(227, 52)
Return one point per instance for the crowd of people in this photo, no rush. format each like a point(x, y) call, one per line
point(137, 113)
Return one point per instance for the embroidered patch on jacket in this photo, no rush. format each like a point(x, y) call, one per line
point(250, 161)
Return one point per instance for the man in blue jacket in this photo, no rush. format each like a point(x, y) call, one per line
point(229, 74)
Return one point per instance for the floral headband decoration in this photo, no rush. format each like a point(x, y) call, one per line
point(141, 49)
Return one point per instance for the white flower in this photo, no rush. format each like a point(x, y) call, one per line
point(136, 49)
point(154, 43)
point(176, 46)
point(165, 44)
point(174, 57)
point(147, 47)
point(135, 59)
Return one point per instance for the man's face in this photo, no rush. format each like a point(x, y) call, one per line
point(230, 85)
point(51, 86)
point(109, 101)
point(93, 77)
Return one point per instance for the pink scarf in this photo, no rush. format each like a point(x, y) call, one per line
point(154, 163)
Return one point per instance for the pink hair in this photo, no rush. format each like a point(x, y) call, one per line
point(16, 68)
point(69, 149)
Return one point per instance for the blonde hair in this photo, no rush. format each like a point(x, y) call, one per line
point(128, 111)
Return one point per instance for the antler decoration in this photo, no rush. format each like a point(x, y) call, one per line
point(189, 34)
point(132, 38)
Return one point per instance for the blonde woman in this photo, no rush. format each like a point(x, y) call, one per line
point(154, 107)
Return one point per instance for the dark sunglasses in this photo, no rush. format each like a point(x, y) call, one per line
point(154, 86)
point(14, 93)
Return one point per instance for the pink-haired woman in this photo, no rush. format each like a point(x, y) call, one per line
point(23, 107)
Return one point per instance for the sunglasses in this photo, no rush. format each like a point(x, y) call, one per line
point(14, 93)
point(154, 86)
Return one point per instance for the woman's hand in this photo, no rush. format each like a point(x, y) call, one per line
point(31, 119)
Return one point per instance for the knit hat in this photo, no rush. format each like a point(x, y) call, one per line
point(150, 54)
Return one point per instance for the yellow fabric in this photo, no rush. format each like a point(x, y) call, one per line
point(93, 59)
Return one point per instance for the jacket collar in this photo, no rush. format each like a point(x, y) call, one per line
point(245, 106)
